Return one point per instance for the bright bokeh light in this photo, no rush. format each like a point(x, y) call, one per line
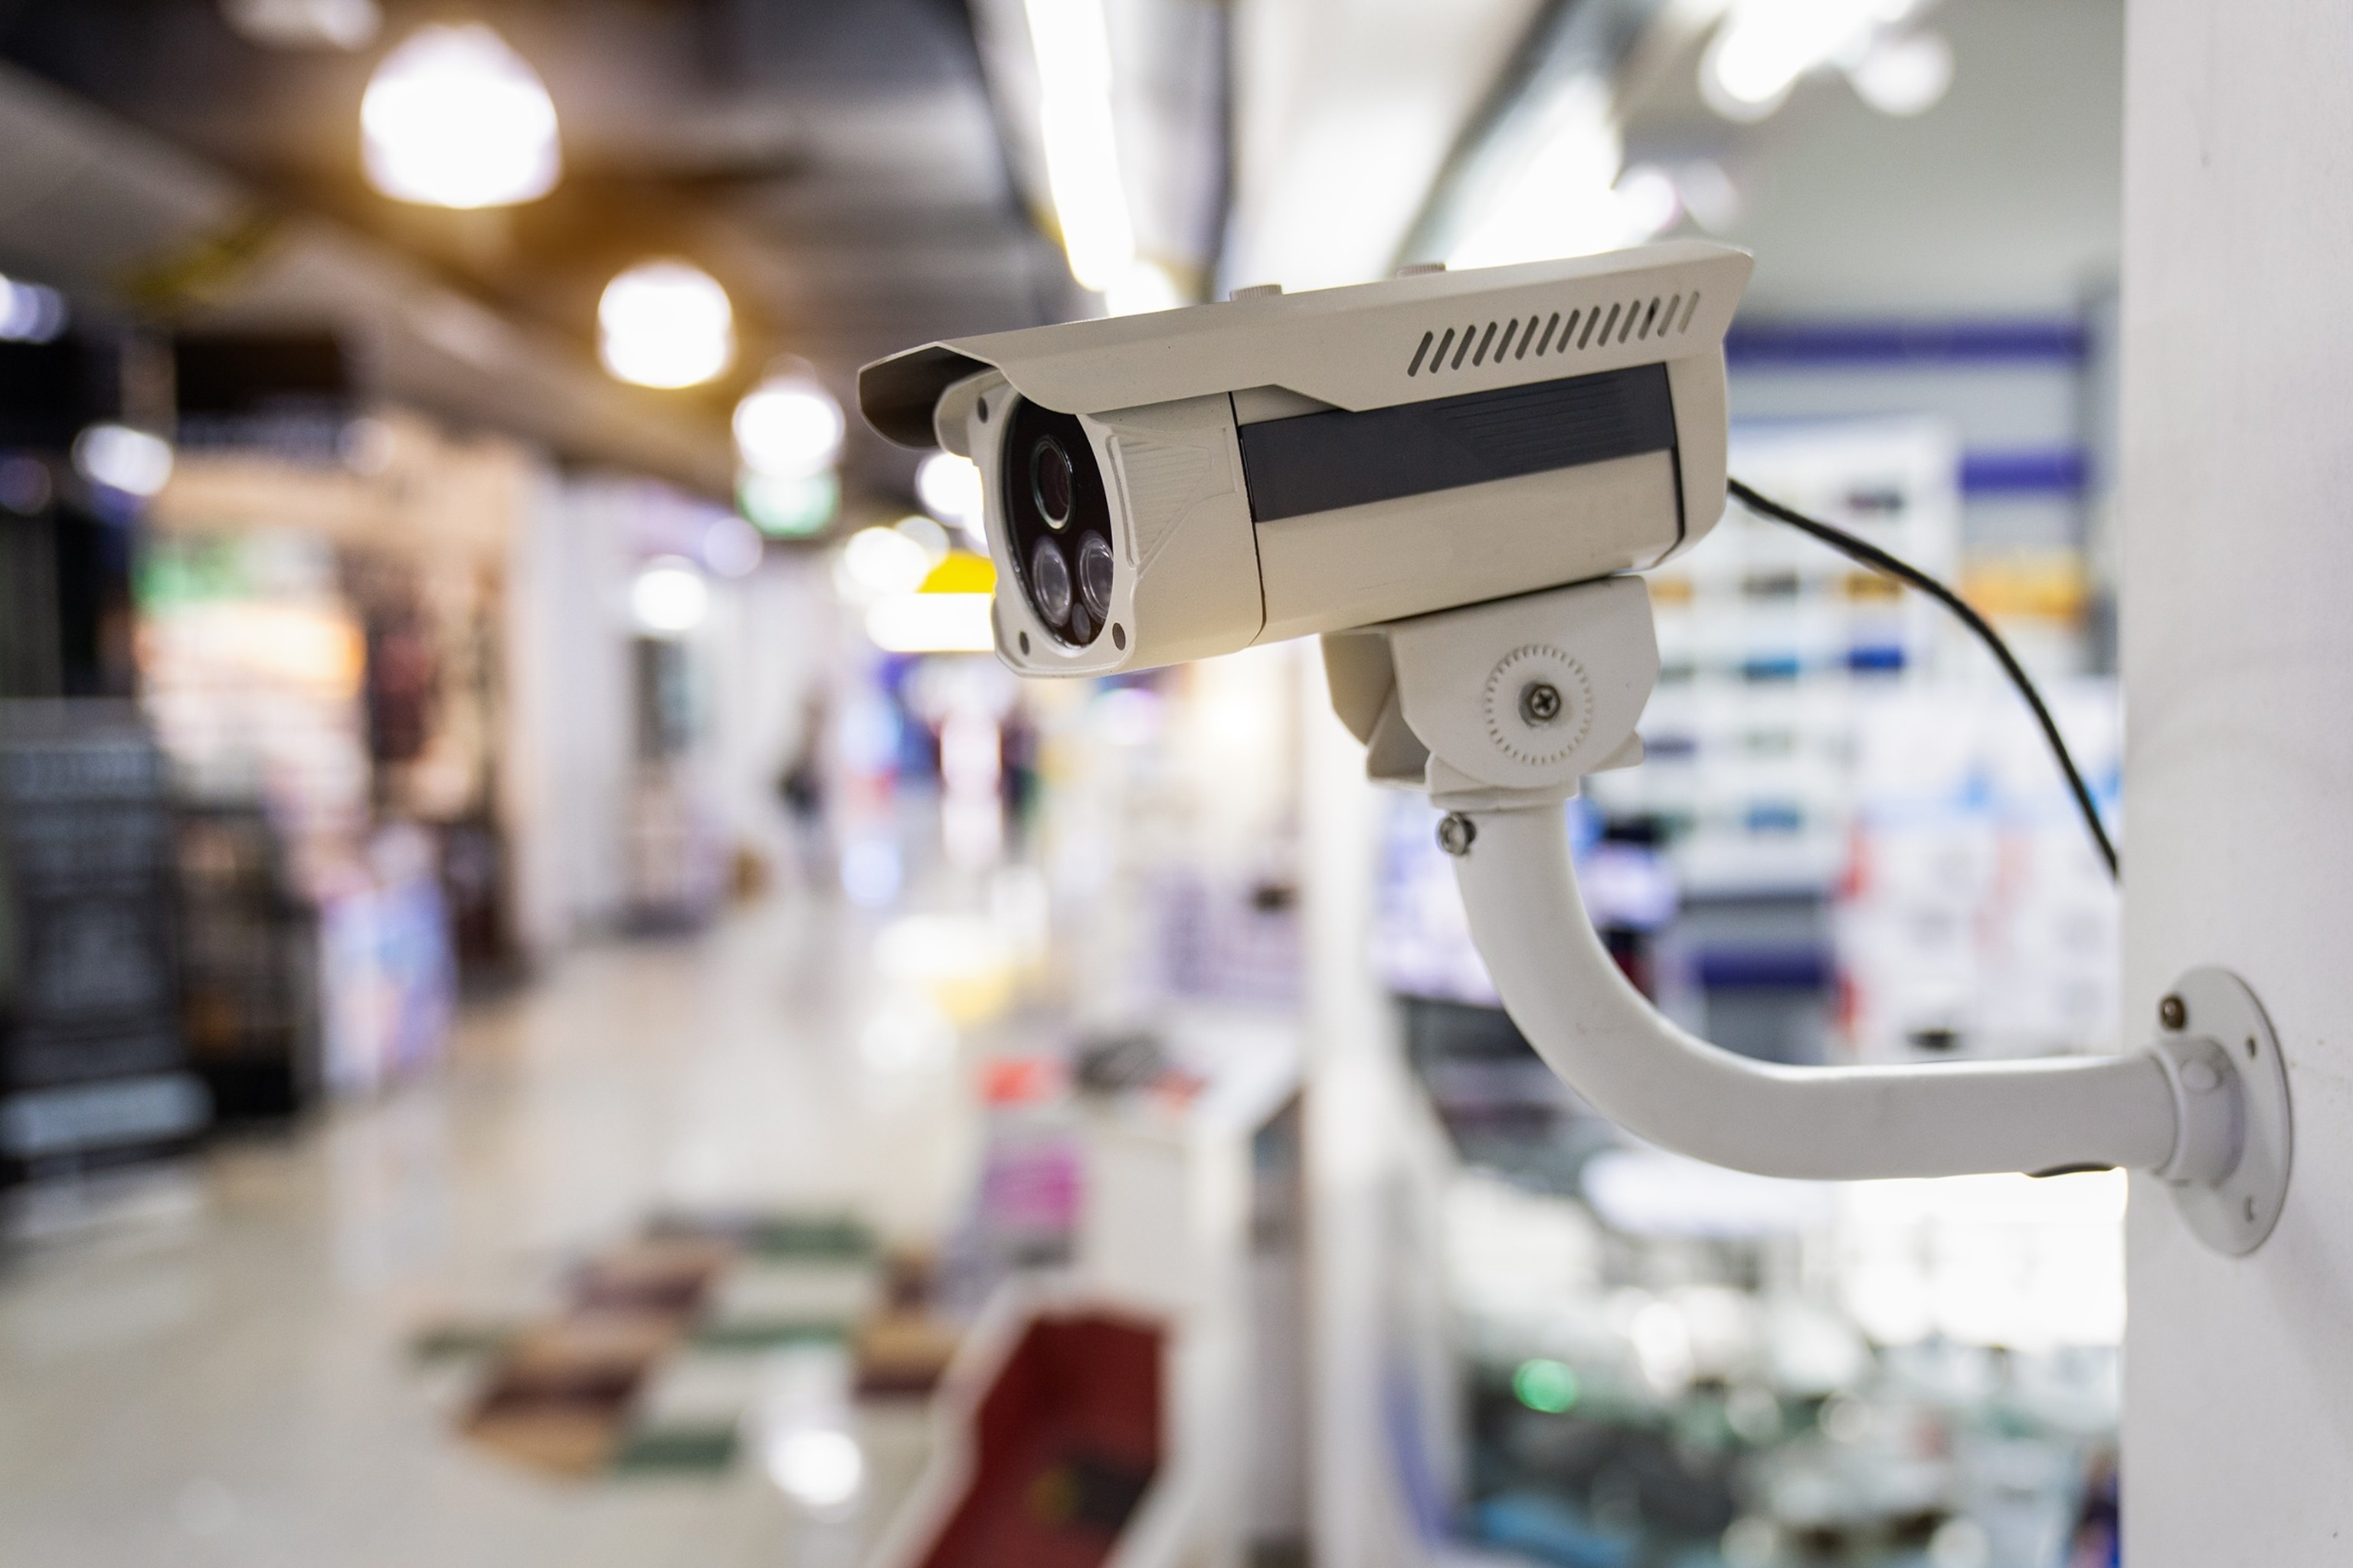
point(788, 508)
point(932, 623)
point(877, 561)
point(454, 118)
point(1544, 1384)
point(668, 598)
point(817, 1466)
point(30, 313)
point(1905, 77)
point(949, 488)
point(665, 323)
point(123, 459)
point(1075, 122)
point(788, 426)
point(1764, 45)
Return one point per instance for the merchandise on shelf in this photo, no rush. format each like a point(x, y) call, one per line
point(91, 1062)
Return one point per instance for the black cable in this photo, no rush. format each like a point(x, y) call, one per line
point(1879, 560)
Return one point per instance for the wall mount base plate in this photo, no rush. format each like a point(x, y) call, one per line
point(2235, 1215)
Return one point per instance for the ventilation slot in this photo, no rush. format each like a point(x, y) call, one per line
point(1547, 334)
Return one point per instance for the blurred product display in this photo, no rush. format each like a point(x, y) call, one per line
point(90, 1041)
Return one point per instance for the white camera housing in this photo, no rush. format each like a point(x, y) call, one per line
point(1285, 465)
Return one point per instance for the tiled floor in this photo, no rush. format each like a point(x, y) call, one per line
point(218, 1374)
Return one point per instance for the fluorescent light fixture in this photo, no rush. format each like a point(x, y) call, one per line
point(121, 458)
point(30, 313)
point(1074, 122)
point(949, 488)
point(931, 623)
point(788, 425)
point(454, 118)
point(668, 598)
point(1906, 76)
point(665, 323)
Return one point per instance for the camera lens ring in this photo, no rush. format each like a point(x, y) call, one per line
point(1052, 482)
point(1096, 574)
point(1049, 582)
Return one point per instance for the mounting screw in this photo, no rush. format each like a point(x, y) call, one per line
point(2172, 1013)
point(1455, 832)
point(1540, 702)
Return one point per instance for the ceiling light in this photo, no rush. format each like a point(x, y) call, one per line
point(788, 426)
point(665, 323)
point(1074, 122)
point(123, 459)
point(1904, 76)
point(668, 598)
point(30, 313)
point(454, 118)
point(949, 488)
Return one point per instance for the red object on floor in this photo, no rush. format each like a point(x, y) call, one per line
point(1066, 1441)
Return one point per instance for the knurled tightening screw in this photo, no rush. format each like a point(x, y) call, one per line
point(2173, 1012)
point(1455, 832)
point(1540, 702)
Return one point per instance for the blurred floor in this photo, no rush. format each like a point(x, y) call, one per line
point(216, 1373)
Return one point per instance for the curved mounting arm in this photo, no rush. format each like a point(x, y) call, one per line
point(1599, 1034)
point(1499, 710)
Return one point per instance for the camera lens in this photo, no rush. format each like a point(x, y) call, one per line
point(1049, 581)
point(1050, 480)
point(1095, 575)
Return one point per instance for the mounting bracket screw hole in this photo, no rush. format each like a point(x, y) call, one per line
point(2173, 1013)
point(1540, 702)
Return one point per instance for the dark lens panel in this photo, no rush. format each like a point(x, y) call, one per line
point(1058, 518)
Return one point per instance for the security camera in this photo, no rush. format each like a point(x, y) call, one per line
point(1170, 486)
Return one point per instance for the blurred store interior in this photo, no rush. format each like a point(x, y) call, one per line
point(557, 1006)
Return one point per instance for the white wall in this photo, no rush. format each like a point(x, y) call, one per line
point(2237, 651)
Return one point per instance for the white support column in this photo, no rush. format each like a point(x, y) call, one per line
point(2237, 512)
point(1354, 1127)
